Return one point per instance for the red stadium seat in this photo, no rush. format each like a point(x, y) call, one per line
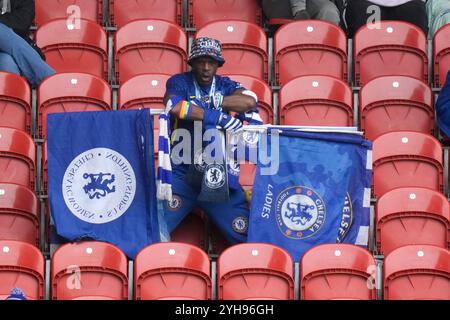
point(145, 91)
point(441, 55)
point(19, 214)
point(263, 92)
point(395, 103)
point(250, 271)
point(395, 48)
point(15, 102)
point(124, 11)
point(247, 175)
point(21, 266)
point(337, 272)
point(417, 272)
point(244, 47)
point(71, 92)
point(407, 216)
point(17, 157)
point(316, 101)
point(73, 48)
point(172, 271)
point(309, 48)
point(89, 270)
point(47, 10)
point(406, 159)
point(149, 46)
point(202, 12)
point(191, 230)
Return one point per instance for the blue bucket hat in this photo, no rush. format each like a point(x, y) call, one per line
point(16, 294)
point(209, 47)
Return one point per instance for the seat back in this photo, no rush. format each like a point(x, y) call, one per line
point(19, 214)
point(255, 271)
point(395, 48)
point(124, 11)
point(78, 47)
point(395, 103)
point(47, 10)
point(244, 47)
point(406, 159)
point(316, 101)
point(89, 270)
point(17, 157)
point(417, 272)
point(407, 216)
point(21, 266)
point(15, 102)
point(263, 92)
point(202, 12)
point(71, 92)
point(172, 271)
point(337, 271)
point(441, 55)
point(310, 47)
point(149, 46)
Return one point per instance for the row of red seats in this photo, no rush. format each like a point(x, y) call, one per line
point(123, 11)
point(300, 48)
point(98, 271)
point(385, 104)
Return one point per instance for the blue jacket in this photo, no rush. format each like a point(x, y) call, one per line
point(443, 107)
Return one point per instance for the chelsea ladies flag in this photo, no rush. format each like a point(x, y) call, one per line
point(320, 193)
point(101, 177)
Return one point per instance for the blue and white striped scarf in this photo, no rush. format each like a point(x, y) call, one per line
point(164, 175)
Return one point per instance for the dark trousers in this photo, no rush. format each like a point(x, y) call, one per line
point(413, 12)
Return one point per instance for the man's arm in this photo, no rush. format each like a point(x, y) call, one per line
point(238, 102)
point(196, 113)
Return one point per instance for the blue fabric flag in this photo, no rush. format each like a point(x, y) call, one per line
point(102, 177)
point(320, 193)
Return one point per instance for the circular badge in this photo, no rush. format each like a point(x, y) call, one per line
point(240, 224)
point(250, 137)
point(175, 204)
point(99, 185)
point(300, 212)
point(215, 176)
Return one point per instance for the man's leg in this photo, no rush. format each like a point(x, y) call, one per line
point(230, 217)
point(358, 13)
point(323, 10)
point(413, 12)
point(8, 64)
point(30, 64)
point(184, 200)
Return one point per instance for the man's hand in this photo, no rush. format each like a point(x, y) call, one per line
point(213, 118)
point(229, 123)
point(302, 15)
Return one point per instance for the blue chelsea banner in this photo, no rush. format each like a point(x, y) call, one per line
point(320, 193)
point(101, 177)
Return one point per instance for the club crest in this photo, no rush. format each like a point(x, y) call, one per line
point(300, 212)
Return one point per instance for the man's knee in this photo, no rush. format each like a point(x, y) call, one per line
point(327, 11)
point(8, 64)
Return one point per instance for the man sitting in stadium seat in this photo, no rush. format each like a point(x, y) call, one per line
point(302, 10)
point(18, 53)
point(202, 98)
point(360, 12)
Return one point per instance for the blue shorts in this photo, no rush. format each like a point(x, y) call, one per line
point(230, 217)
